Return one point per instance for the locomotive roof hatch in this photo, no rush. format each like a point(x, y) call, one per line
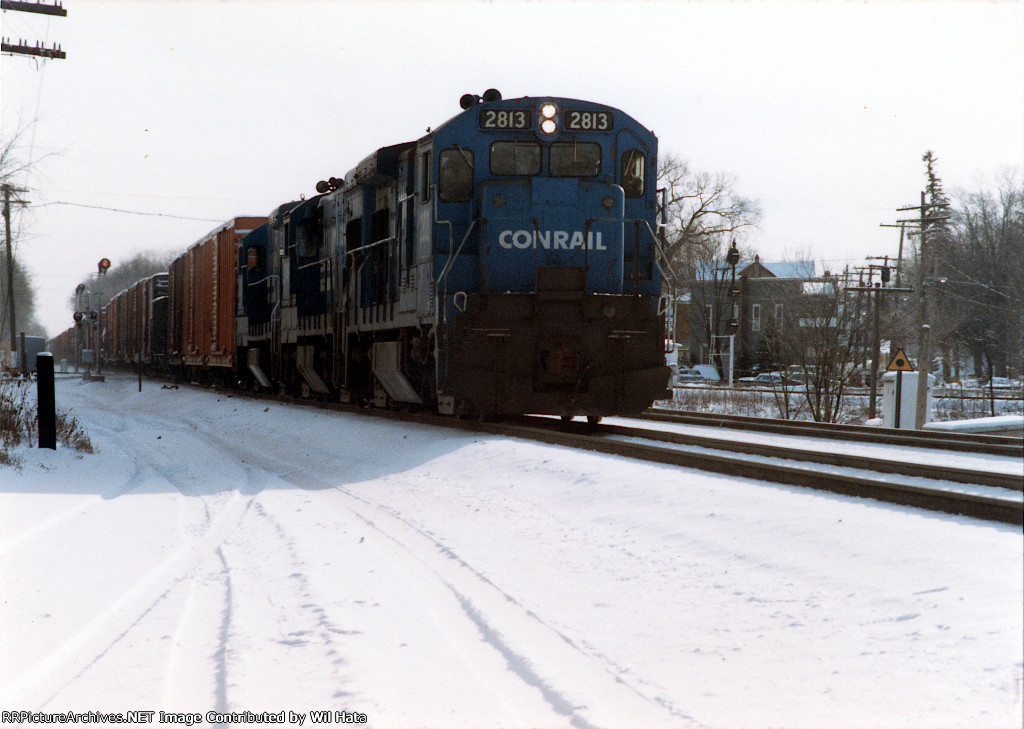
point(379, 168)
point(278, 214)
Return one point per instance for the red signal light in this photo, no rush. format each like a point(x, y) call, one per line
point(104, 265)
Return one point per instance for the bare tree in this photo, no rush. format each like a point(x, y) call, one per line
point(123, 274)
point(973, 274)
point(703, 213)
point(704, 217)
point(11, 167)
point(984, 274)
point(817, 336)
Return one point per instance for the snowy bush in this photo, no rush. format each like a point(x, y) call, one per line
point(19, 423)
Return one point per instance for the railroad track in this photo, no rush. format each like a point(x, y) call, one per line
point(965, 442)
point(889, 481)
point(883, 480)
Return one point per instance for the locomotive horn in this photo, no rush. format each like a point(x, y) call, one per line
point(492, 95)
point(469, 100)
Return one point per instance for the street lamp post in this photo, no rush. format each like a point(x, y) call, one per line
point(732, 257)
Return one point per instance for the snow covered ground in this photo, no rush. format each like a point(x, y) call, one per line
point(222, 554)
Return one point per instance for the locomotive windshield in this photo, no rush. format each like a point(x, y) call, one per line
point(515, 158)
point(575, 159)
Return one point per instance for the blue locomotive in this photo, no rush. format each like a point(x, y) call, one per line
point(506, 262)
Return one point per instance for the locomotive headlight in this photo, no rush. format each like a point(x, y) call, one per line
point(548, 113)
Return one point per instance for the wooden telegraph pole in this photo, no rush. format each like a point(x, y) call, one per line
point(25, 49)
point(878, 289)
point(11, 318)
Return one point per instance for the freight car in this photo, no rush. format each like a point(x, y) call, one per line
point(505, 262)
point(135, 324)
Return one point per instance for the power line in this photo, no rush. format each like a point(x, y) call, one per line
point(129, 212)
point(23, 47)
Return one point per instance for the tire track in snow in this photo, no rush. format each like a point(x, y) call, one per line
point(220, 656)
point(313, 618)
point(518, 634)
point(62, 665)
point(575, 684)
point(569, 679)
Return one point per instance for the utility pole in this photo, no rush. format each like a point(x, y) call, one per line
point(926, 217)
point(878, 289)
point(899, 255)
point(24, 48)
point(10, 319)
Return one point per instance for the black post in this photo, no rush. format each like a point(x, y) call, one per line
point(46, 401)
point(899, 397)
point(876, 354)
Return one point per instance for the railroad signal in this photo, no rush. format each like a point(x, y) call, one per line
point(104, 265)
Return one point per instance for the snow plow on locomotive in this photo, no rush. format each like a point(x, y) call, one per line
point(507, 262)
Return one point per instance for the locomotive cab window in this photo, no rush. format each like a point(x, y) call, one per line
point(307, 240)
point(634, 169)
point(425, 177)
point(515, 158)
point(254, 260)
point(575, 159)
point(455, 179)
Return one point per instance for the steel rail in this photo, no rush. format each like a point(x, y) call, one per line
point(964, 442)
point(844, 460)
point(1009, 511)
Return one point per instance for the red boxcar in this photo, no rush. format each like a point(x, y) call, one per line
point(203, 291)
point(64, 347)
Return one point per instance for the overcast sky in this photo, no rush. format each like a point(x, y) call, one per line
point(208, 110)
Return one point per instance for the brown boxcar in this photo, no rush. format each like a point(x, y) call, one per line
point(64, 348)
point(203, 287)
point(175, 310)
point(154, 319)
point(112, 329)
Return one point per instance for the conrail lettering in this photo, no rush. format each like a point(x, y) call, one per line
point(550, 240)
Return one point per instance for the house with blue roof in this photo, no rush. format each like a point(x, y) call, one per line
point(741, 310)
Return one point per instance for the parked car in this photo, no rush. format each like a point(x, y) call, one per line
point(769, 379)
point(696, 375)
point(708, 372)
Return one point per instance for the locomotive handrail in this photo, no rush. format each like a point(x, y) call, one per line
point(317, 262)
point(266, 278)
point(353, 251)
point(438, 221)
point(451, 257)
point(661, 250)
point(355, 273)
